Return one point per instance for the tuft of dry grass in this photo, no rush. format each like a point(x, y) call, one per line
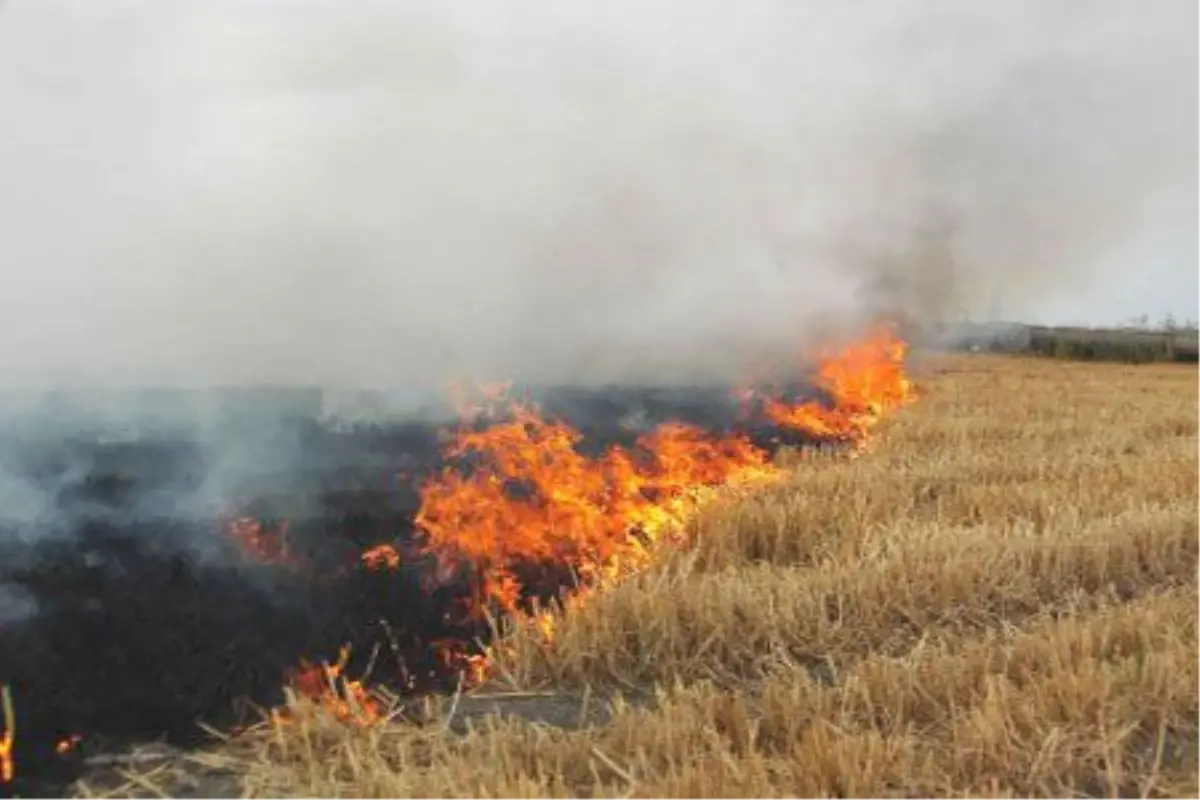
point(1000, 599)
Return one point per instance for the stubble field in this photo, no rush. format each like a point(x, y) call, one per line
point(998, 598)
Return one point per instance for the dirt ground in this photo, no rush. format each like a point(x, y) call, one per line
point(998, 598)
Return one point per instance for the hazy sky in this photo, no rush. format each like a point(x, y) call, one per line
point(367, 192)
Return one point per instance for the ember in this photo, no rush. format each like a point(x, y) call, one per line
point(537, 500)
point(327, 683)
point(7, 769)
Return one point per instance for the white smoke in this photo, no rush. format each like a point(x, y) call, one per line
point(358, 193)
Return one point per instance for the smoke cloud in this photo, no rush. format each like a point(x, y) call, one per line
point(369, 194)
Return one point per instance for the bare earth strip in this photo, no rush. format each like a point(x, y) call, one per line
point(999, 599)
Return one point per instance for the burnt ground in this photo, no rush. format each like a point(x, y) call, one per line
point(128, 615)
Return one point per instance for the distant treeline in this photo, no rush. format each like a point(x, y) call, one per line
point(1133, 345)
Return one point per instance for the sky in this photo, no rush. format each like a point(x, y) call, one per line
point(369, 193)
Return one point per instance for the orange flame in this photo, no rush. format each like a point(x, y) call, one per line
point(7, 769)
point(267, 544)
point(67, 744)
point(326, 684)
point(534, 499)
point(381, 556)
point(8, 739)
point(865, 381)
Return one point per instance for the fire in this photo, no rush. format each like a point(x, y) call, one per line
point(535, 500)
point(67, 744)
point(381, 556)
point(472, 667)
point(262, 542)
point(349, 700)
point(865, 381)
point(535, 520)
point(8, 737)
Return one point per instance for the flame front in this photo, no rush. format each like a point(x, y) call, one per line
point(535, 500)
point(533, 519)
point(865, 380)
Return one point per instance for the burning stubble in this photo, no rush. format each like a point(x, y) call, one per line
point(510, 515)
point(356, 195)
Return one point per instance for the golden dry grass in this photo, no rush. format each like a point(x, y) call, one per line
point(999, 599)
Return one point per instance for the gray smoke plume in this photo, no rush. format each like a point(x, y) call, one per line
point(375, 194)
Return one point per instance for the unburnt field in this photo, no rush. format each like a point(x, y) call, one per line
point(999, 597)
